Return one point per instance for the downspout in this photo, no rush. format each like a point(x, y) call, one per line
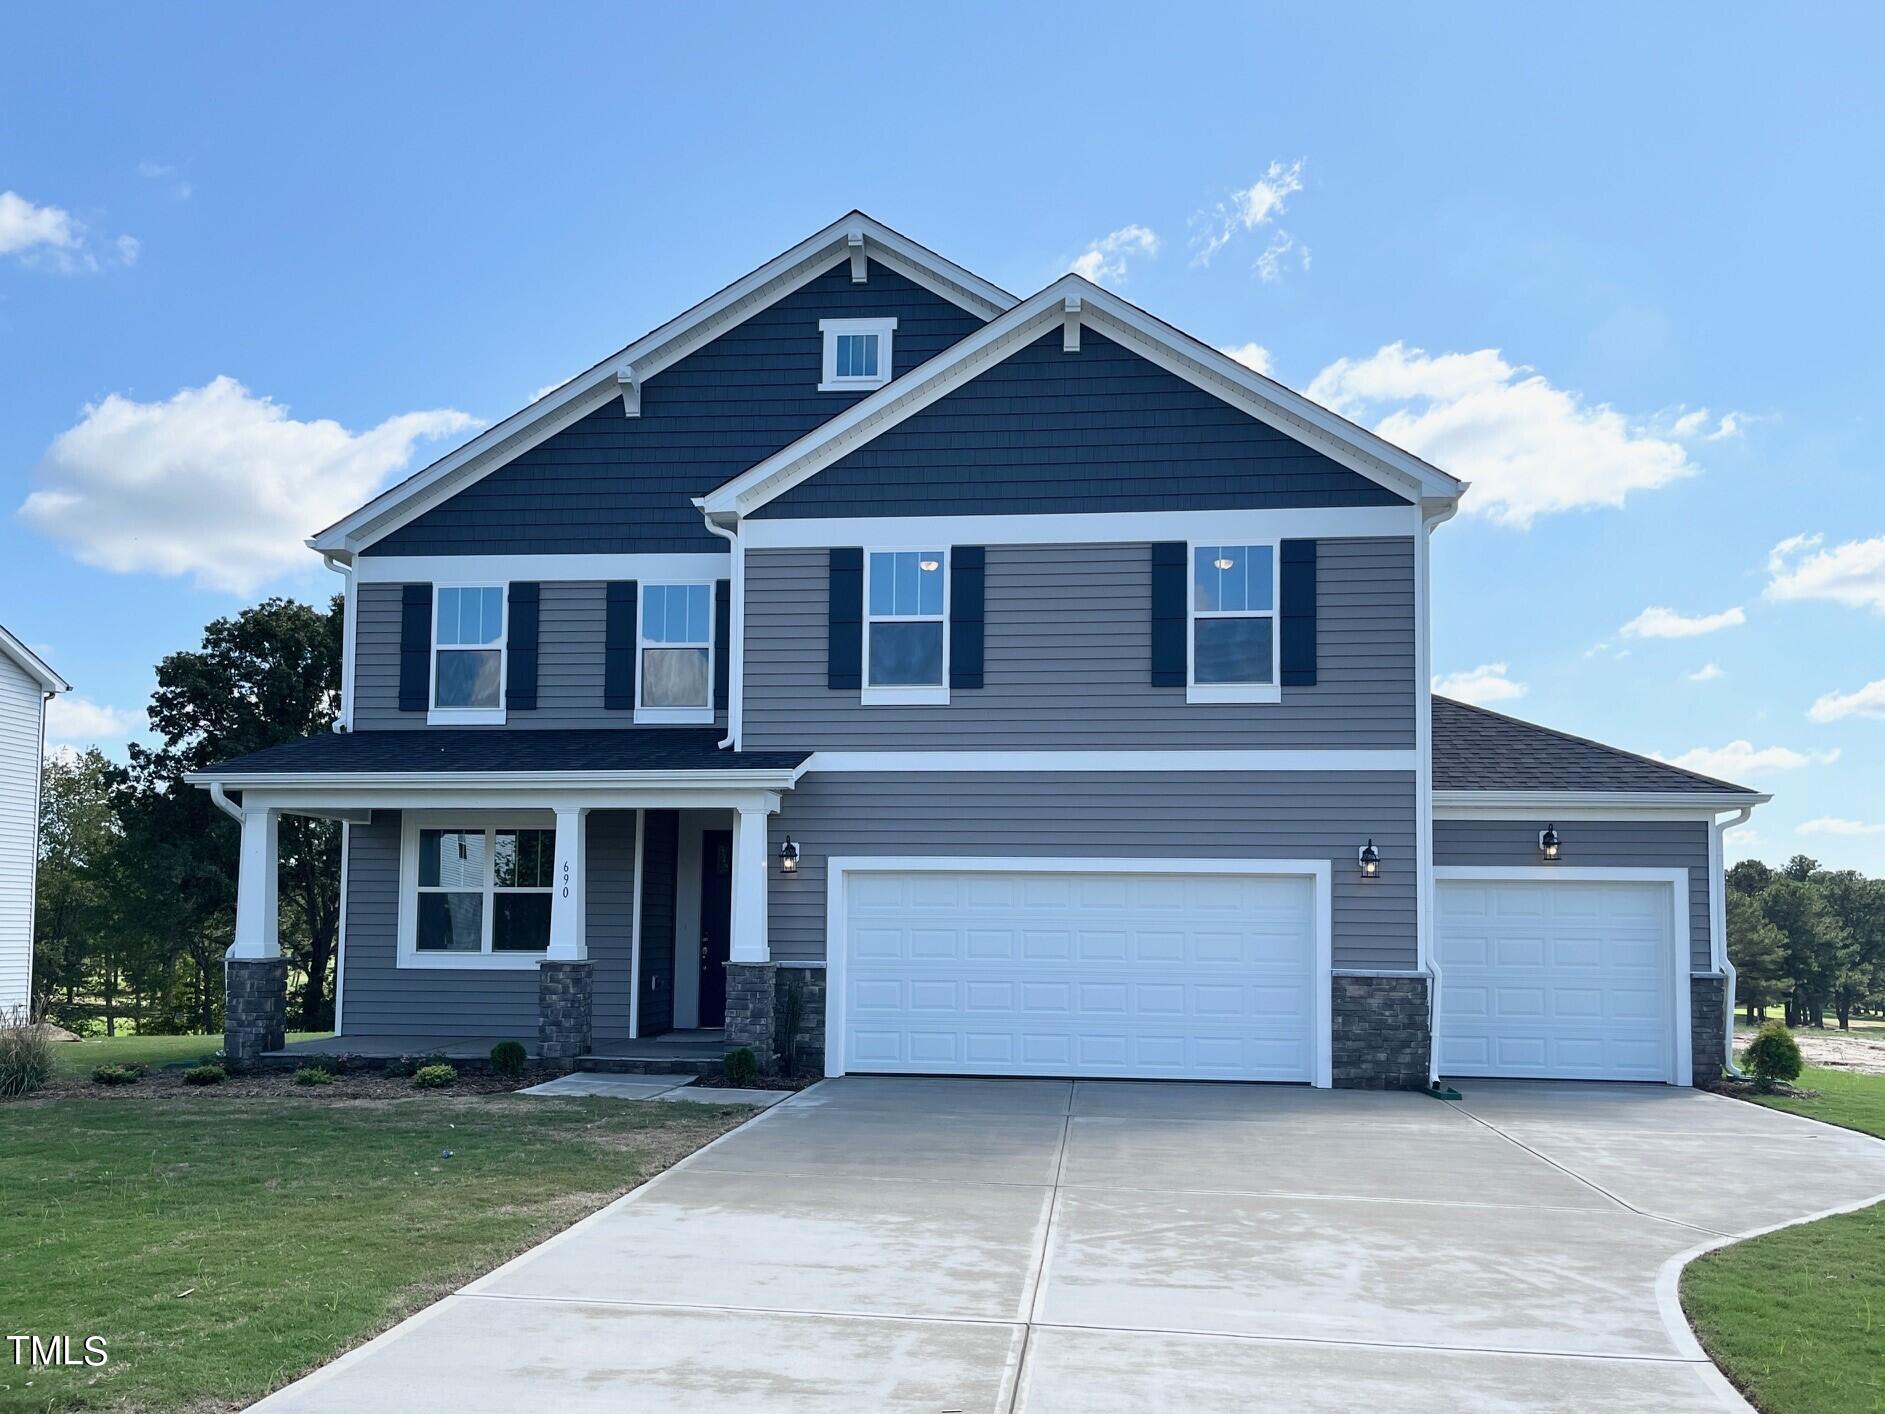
point(736, 630)
point(343, 720)
point(1718, 921)
point(224, 803)
point(1423, 787)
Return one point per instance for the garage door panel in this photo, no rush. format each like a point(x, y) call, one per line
point(1197, 976)
point(1557, 979)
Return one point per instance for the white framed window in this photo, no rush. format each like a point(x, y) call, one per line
point(1232, 648)
point(475, 891)
point(674, 657)
point(857, 354)
point(468, 654)
point(906, 618)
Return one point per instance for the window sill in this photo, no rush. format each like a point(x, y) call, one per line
point(1234, 692)
point(465, 717)
point(471, 961)
point(905, 697)
point(852, 385)
point(674, 716)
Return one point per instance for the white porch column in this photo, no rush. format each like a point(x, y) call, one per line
point(569, 935)
point(258, 917)
point(749, 942)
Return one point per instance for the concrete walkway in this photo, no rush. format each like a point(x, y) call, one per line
point(998, 1246)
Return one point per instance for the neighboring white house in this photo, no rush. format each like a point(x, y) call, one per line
point(25, 685)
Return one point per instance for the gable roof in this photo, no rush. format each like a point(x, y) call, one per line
point(32, 664)
point(1069, 302)
point(1478, 750)
point(852, 235)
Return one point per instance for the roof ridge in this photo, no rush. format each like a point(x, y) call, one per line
point(1591, 742)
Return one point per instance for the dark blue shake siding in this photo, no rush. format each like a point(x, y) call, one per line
point(613, 484)
point(1048, 432)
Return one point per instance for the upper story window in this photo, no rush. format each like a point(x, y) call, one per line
point(857, 354)
point(478, 894)
point(905, 610)
point(468, 653)
point(1233, 624)
point(676, 653)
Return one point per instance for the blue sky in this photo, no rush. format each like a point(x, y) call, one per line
point(1618, 265)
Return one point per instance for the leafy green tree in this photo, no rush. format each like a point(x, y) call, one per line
point(1759, 952)
point(1817, 948)
point(1857, 905)
point(1800, 868)
point(77, 949)
point(267, 675)
point(1750, 877)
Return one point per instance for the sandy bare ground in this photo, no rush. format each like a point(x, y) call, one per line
point(1860, 1050)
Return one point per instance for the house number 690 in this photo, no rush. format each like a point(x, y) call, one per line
point(565, 878)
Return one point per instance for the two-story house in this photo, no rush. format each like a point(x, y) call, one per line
point(873, 665)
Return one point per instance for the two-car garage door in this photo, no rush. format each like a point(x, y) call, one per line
point(1107, 971)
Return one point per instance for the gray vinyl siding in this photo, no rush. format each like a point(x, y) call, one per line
point(614, 484)
point(657, 921)
point(1049, 432)
point(1067, 660)
point(22, 717)
point(1227, 815)
point(570, 661)
point(1610, 844)
point(381, 998)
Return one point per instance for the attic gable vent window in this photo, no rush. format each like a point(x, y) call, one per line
point(857, 354)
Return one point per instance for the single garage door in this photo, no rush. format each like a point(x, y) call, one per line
point(1035, 972)
point(1566, 980)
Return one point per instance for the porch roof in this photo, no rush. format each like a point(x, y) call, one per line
point(474, 751)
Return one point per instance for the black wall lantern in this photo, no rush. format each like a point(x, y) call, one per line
point(1370, 861)
point(788, 857)
point(1548, 844)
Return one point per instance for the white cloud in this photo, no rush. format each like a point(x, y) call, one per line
point(1529, 448)
point(1667, 623)
point(215, 483)
point(1486, 683)
point(1742, 760)
point(1708, 672)
point(1731, 425)
point(79, 721)
point(51, 237)
point(1252, 356)
point(1833, 825)
point(1104, 262)
point(1248, 209)
point(1693, 423)
point(1270, 263)
point(1868, 701)
point(168, 175)
point(1852, 573)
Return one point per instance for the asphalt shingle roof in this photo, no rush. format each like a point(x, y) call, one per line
point(472, 750)
point(1474, 749)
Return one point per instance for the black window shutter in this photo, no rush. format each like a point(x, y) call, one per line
point(844, 621)
point(1169, 611)
point(722, 641)
point(1297, 612)
point(966, 567)
point(415, 647)
point(520, 677)
point(618, 648)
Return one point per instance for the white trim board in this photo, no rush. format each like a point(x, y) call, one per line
point(1237, 526)
point(32, 665)
point(628, 367)
point(1587, 805)
point(406, 955)
point(1072, 296)
point(839, 867)
point(565, 569)
point(1052, 761)
point(1680, 941)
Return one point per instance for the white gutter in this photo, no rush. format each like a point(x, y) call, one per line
point(1423, 783)
point(343, 721)
point(757, 778)
point(1718, 920)
point(736, 629)
point(223, 802)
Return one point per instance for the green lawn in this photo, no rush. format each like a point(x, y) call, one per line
point(83, 1057)
point(223, 1245)
point(1797, 1318)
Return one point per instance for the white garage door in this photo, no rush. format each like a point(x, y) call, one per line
point(999, 972)
point(1556, 980)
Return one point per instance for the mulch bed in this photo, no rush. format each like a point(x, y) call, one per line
point(167, 1083)
point(1742, 1089)
point(717, 1080)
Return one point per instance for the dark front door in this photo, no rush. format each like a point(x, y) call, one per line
point(716, 917)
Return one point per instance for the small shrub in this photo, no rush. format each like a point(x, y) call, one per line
point(509, 1058)
point(434, 1077)
point(25, 1055)
point(413, 1064)
point(313, 1075)
point(740, 1066)
point(1773, 1056)
point(333, 1065)
point(117, 1075)
point(205, 1075)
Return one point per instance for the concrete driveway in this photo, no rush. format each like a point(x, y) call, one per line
point(980, 1245)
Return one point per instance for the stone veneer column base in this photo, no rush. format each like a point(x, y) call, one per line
point(801, 1038)
point(255, 1008)
point(1382, 1033)
point(564, 993)
point(752, 1014)
point(1708, 1027)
